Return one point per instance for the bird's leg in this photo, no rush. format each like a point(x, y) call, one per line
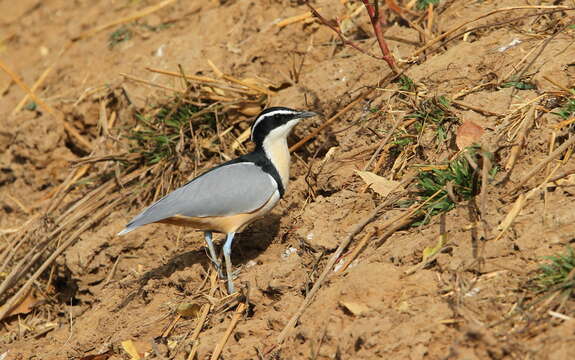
point(227, 252)
point(213, 257)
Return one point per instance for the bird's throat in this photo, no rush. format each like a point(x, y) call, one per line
point(278, 152)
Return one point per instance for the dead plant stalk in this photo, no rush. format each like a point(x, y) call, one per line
point(220, 346)
point(537, 168)
point(126, 19)
point(356, 229)
point(15, 299)
point(367, 92)
point(376, 19)
point(457, 27)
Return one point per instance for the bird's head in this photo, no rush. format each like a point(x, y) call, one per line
point(276, 123)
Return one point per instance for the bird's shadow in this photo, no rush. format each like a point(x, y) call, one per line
point(247, 246)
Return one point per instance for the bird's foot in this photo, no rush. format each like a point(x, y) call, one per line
point(231, 288)
point(230, 281)
point(218, 266)
point(220, 272)
point(235, 274)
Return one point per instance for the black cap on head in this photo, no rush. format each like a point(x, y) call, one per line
point(272, 118)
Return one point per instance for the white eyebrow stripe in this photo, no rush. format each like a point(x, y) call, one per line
point(270, 114)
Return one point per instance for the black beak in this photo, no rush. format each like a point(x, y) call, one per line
point(306, 114)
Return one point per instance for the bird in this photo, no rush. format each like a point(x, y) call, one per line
point(229, 197)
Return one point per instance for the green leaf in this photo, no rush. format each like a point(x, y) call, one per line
point(430, 251)
point(519, 85)
point(423, 4)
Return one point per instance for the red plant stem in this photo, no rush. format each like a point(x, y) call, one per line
point(338, 32)
point(377, 22)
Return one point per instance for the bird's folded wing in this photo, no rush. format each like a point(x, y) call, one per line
point(227, 190)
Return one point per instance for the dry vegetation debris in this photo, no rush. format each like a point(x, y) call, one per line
point(430, 212)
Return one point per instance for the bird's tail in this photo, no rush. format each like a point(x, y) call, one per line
point(126, 230)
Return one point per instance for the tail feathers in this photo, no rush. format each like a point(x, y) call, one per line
point(148, 216)
point(127, 230)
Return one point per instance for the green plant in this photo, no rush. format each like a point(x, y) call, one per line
point(424, 4)
point(443, 182)
point(121, 34)
point(31, 106)
point(558, 274)
point(519, 85)
point(406, 84)
point(567, 110)
point(403, 141)
point(402, 138)
point(155, 28)
point(435, 112)
point(157, 136)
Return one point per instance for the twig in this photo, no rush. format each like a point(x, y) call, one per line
point(10, 303)
point(425, 262)
point(203, 79)
point(386, 81)
point(504, 123)
point(23, 265)
point(476, 109)
point(125, 19)
point(113, 270)
point(336, 29)
point(328, 267)
point(41, 79)
point(204, 311)
point(519, 204)
point(564, 175)
point(60, 191)
point(376, 18)
point(149, 83)
point(66, 222)
point(485, 169)
point(540, 50)
point(357, 250)
point(455, 28)
point(404, 219)
point(400, 12)
point(560, 316)
point(50, 110)
point(382, 144)
point(392, 5)
point(314, 133)
point(248, 85)
point(476, 88)
point(169, 329)
point(33, 89)
point(430, 19)
point(220, 346)
point(525, 126)
point(564, 88)
point(15, 245)
point(537, 168)
point(26, 89)
point(295, 19)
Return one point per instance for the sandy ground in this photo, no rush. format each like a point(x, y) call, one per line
point(470, 302)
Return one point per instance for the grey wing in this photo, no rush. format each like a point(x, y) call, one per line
point(227, 190)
